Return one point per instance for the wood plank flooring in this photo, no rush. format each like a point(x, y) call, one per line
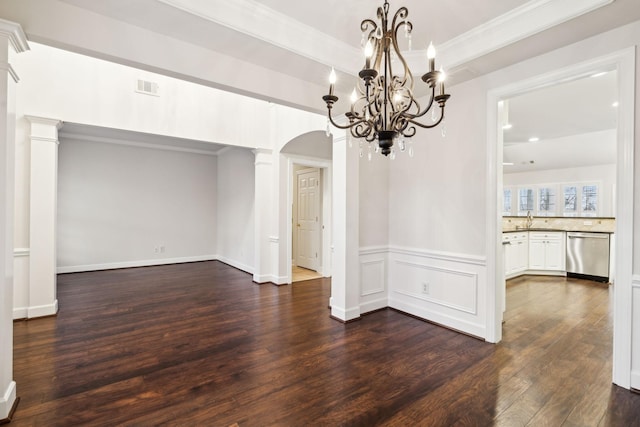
point(199, 344)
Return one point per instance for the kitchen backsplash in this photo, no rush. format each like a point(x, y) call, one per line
point(512, 223)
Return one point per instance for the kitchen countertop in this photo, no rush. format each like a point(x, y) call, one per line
point(513, 230)
point(583, 224)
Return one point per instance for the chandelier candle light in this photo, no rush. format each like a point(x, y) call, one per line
point(383, 107)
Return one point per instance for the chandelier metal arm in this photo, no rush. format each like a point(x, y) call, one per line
point(339, 126)
point(427, 108)
point(431, 125)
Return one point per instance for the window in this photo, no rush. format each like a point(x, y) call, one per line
point(570, 201)
point(506, 202)
point(580, 200)
point(525, 201)
point(573, 199)
point(546, 201)
point(589, 200)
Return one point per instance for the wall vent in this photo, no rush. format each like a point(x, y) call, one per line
point(147, 87)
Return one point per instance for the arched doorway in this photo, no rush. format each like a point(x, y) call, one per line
point(300, 157)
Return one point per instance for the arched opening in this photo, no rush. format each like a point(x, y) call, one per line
point(305, 167)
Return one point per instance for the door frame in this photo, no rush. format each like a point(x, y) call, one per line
point(296, 219)
point(326, 228)
point(623, 61)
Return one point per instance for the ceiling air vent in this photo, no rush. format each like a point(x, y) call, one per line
point(147, 87)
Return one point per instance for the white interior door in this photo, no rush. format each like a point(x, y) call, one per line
point(308, 225)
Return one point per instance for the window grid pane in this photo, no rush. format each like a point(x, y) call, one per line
point(546, 202)
point(590, 199)
point(525, 202)
point(506, 202)
point(570, 200)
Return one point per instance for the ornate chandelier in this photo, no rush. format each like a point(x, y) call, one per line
point(383, 106)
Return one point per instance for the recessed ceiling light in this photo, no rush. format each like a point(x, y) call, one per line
point(615, 104)
point(601, 73)
point(507, 126)
point(534, 139)
point(507, 163)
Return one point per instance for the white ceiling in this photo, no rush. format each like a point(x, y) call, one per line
point(575, 107)
point(569, 120)
point(282, 50)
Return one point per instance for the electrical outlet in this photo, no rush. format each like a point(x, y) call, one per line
point(162, 249)
point(156, 249)
point(425, 287)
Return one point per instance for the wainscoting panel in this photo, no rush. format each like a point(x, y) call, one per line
point(448, 289)
point(373, 279)
point(635, 338)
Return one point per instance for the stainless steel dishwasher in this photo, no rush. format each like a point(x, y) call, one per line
point(588, 255)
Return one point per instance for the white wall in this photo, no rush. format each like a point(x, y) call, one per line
point(123, 205)
point(95, 92)
point(374, 199)
point(437, 196)
point(235, 215)
point(373, 229)
point(605, 175)
point(91, 91)
point(437, 220)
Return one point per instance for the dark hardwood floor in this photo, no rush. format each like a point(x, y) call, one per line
point(201, 345)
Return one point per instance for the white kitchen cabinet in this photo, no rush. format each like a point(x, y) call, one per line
point(516, 253)
point(547, 251)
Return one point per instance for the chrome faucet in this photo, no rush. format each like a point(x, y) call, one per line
point(529, 219)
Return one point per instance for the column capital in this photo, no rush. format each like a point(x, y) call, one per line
point(13, 32)
point(263, 156)
point(44, 128)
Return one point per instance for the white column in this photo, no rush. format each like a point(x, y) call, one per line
point(12, 40)
point(42, 216)
point(262, 209)
point(345, 283)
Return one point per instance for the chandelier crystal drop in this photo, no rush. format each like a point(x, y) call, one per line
point(383, 107)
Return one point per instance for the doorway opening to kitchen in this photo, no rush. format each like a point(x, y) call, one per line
point(620, 66)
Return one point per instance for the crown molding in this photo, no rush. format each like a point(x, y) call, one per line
point(524, 21)
point(14, 33)
point(258, 21)
point(5, 66)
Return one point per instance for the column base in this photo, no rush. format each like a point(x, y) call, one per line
point(8, 403)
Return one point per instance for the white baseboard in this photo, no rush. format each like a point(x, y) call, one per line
point(20, 313)
point(42, 310)
point(345, 315)
point(280, 280)
point(444, 320)
point(378, 304)
point(130, 264)
point(635, 380)
point(7, 400)
point(544, 273)
point(263, 278)
point(236, 264)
